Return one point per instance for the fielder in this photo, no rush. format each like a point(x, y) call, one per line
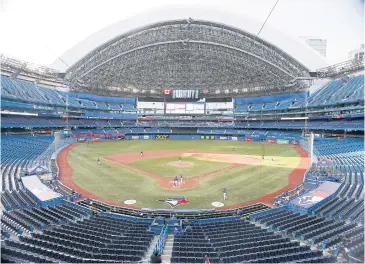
point(141, 153)
point(225, 193)
point(98, 161)
point(181, 179)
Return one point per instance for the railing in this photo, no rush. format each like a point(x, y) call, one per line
point(53, 166)
point(216, 220)
point(285, 197)
point(160, 245)
point(128, 218)
point(267, 212)
point(64, 186)
point(86, 210)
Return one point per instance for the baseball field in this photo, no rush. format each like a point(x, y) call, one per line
point(207, 167)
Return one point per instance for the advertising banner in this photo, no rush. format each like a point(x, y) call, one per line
point(42, 107)
point(294, 142)
point(282, 141)
point(206, 137)
point(96, 139)
point(162, 136)
point(248, 139)
point(148, 118)
point(223, 138)
point(135, 137)
point(271, 140)
point(175, 108)
point(188, 137)
point(194, 108)
point(225, 119)
point(49, 114)
point(234, 138)
point(82, 135)
point(146, 137)
point(81, 139)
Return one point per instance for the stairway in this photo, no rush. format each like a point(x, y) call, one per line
point(358, 176)
point(348, 192)
point(167, 252)
point(148, 255)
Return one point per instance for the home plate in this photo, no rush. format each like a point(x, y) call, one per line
point(217, 204)
point(130, 201)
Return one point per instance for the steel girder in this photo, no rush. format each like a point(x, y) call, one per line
point(185, 54)
point(341, 69)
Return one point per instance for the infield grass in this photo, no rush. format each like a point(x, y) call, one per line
point(114, 182)
point(162, 166)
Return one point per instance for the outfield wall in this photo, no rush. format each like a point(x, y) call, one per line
point(249, 138)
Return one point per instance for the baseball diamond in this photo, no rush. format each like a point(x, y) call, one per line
point(206, 132)
point(113, 181)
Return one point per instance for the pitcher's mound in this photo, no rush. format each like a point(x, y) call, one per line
point(181, 164)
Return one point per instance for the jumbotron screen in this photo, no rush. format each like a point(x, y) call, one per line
point(185, 108)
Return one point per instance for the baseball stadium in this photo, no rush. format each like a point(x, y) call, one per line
point(183, 139)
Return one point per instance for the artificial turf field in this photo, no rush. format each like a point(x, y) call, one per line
point(112, 181)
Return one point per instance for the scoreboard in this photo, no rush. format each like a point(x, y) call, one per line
point(177, 102)
point(184, 108)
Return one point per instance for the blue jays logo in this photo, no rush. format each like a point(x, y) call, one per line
point(312, 197)
point(174, 202)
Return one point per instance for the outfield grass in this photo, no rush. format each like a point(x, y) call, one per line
point(114, 182)
point(161, 166)
point(115, 147)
